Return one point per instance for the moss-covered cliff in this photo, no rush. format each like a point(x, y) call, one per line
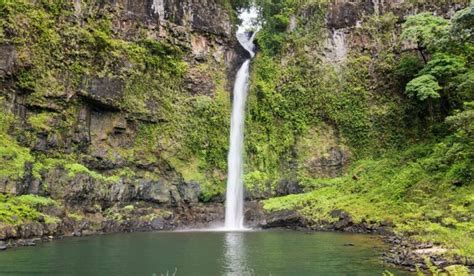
point(378, 93)
point(116, 115)
point(108, 103)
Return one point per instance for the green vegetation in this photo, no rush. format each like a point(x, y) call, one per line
point(425, 191)
point(13, 157)
point(18, 210)
point(41, 121)
point(407, 118)
point(294, 91)
point(423, 87)
point(62, 54)
point(399, 104)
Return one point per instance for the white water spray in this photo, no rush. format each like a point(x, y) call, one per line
point(234, 211)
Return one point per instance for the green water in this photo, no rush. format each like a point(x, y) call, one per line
point(201, 253)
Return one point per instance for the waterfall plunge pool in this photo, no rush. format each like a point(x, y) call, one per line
point(273, 252)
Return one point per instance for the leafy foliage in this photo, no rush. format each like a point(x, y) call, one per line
point(423, 181)
point(423, 87)
point(425, 30)
point(17, 210)
point(426, 191)
point(13, 157)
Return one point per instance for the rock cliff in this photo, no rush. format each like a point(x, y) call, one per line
point(107, 104)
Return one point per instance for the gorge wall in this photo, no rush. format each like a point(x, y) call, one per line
point(110, 103)
point(360, 110)
point(116, 114)
point(325, 90)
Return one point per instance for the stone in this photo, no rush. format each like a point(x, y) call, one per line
point(158, 224)
point(287, 187)
point(284, 218)
point(30, 230)
point(254, 214)
point(330, 164)
point(199, 83)
point(7, 60)
point(154, 191)
point(104, 92)
point(344, 219)
point(3, 246)
point(189, 191)
point(344, 14)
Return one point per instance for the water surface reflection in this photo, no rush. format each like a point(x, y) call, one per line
point(235, 258)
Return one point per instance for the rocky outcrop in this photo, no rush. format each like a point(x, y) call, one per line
point(283, 219)
point(344, 14)
point(331, 164)
point(138, 217)
point(344, 18)
point(7, 60)
point(404, 252)
point(96, 119)
point(104, 92)
point(413, 255)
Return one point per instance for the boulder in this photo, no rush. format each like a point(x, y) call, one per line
point(155, 191)
point(104, 92)
point(288, 187)
point(189, 191)
point(344, 219)
point(284, 218)
point(31, 230)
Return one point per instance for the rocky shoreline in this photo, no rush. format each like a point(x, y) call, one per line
point(402, 252)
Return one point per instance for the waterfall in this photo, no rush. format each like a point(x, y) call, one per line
point(234, 212)
point(340, 49)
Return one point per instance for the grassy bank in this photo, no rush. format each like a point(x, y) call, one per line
point(426, 192)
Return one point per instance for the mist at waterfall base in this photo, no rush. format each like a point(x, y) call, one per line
point(234, 209)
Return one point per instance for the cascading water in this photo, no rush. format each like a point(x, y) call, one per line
point(234, 212)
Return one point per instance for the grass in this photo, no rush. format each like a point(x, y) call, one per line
point(25, 208)
point(415, 190)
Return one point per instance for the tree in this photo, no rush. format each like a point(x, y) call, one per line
point(426, 31)
point(445, 66)
point(463, 121)
point(423, 87)
point(463, 25)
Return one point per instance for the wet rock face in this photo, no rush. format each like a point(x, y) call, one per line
point(345, 14)
point(106, 92)
point(288, 187)
point(7, 60)
point(189, 191)
point(283, 219)
point(199, 15)
point(331, 164)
